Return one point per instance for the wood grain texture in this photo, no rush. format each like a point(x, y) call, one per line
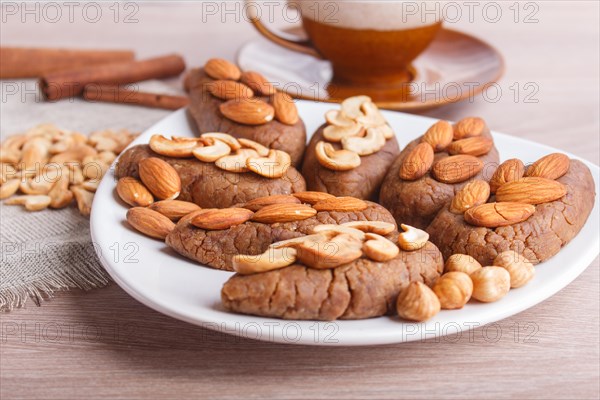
point(104, 344)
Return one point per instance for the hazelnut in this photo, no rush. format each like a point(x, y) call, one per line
point(461, 263)
point(490, 284)
point(453, 289)
point(520, 269)
point(417, 302)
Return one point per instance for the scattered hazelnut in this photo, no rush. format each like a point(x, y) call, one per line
point(490, 284)
point(461, 263)
point(520, 269)
point(417, 302)
point(453, 289)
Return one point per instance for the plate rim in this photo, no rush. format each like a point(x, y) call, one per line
point(210, 318)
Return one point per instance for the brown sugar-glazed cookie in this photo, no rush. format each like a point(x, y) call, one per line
point(275, 218)
point(215, 175)
point(245, 105)
point(431, 169)
point(534, 215)
point(305, 280)
point(351, 153)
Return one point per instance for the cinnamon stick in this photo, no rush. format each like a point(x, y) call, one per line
point(116, 94)
point(71, 83)
point(20, 62)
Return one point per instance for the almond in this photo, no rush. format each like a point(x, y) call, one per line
point(160, 178)
point(275, 213)
point(225, 218)
point(257, 204)
point(493, 215)
point(218, 68)
point(455, 169)
point(174, 209)
point(133, 192)
point(150, 222)
point(285, 108)
point(258, 83)
point(417, 162)
point(472, 194)
point(247, 111)
point(312, 197)
point(439, 135)
point(342, 204)
point(508, 171)
point(531, 190)
point(468, 127)
point(552, 166)
point(227, 90)
point(475, 146)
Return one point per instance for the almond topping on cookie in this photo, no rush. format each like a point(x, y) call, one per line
point(468, 127)
point(342, 204)
point(508, 171)
point(312, 197)
point(472, 194)
point(456, 169)
point(275, 213)
point(552, 166)
point(475, 146)
point(218, 219)
point(247, 111)
point(417, 163)
point(531, 190)
point(439, 135)
point(493, 215)
point(218, 68)
point(260, 202)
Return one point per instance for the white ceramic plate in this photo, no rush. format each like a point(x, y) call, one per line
point(156, 276)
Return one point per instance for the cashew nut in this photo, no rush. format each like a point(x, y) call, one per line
point(340, 250)
point(31, 202)
point(372, 116)
point(336, 160)
point(10, 152)
point(334, 133)
point(273, 258)
point(237, 161)
point(372, 142)
point(75, 154)
point(386, 130)
point(335, 117)
point(337, 229)
point(378, 248)
point(352, 106)
point(223, 137)
point(273, 166)
point(180, 147)
point(308, 239)
point(84, 199)
point(378, 227)
point(9, 188)
point(37, 185)
point(251, 144)
point(35, 153)
point(60, 194)
point(412, 238)
point(211, 153)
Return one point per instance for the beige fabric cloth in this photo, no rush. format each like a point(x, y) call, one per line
point(45, 251)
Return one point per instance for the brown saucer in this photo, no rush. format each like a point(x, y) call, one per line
point(454, 67)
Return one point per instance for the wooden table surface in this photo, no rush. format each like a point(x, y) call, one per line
point(105, 344)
